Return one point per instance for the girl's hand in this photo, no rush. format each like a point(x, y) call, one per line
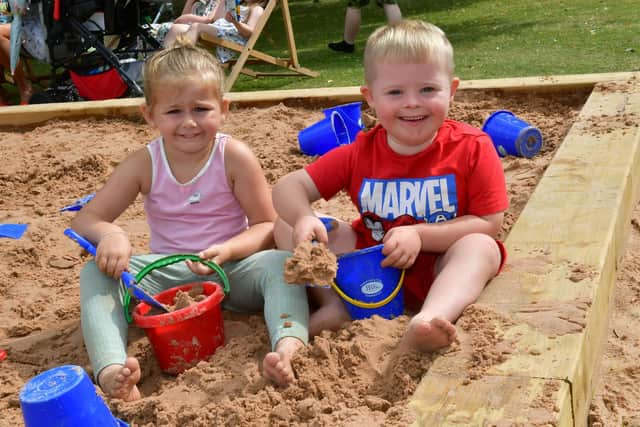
point(216, 253)
point(402, 245)
point(113, 253)
point(231, 17)
point(307, 228)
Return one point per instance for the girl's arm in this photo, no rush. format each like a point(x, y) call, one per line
point(247, 181)
point(187, 17)
point(188, 7)
point(217, 12)
point(95, 220)
point(245, 29)
point(190, 18)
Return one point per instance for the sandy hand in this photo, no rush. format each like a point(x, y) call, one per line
point(311, 263)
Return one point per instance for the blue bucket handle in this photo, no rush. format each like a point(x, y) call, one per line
point(369, 305)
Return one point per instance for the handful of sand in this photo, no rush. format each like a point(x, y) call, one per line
point(311, 264)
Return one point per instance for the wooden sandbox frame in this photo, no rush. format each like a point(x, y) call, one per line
point(578, 215)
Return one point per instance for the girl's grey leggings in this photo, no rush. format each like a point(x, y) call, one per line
point(256, 282)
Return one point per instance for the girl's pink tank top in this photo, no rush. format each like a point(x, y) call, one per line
point(190, 217)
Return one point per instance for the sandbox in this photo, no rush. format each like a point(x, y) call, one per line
point(539, 327)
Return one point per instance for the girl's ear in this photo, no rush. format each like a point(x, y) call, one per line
point(146, 113)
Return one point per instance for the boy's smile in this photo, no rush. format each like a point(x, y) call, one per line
point(411, 101)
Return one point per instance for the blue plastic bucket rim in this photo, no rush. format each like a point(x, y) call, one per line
point(370, 305)
point(335, 116)
point(342, 106)
point(493, 115)
point(314, 139)
point(363, 251)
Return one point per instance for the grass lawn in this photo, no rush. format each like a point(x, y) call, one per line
point(491, 39)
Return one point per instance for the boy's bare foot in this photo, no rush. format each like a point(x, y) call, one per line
point(428, 335)
point(276, 365)
point(120, 381)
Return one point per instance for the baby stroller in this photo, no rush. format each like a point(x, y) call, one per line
point(82, 65)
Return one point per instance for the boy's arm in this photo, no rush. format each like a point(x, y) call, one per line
point(437, 237)
point(403, 244)
point(292, 198)
point(293, 195)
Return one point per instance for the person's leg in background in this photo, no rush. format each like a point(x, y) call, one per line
point(392, 12)
point(24, 86)
point(353, 17)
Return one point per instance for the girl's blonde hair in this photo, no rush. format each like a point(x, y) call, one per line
point(407, 41)
point(180, 63)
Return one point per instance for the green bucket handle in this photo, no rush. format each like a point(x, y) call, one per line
point(369, 305)
point(168, 260)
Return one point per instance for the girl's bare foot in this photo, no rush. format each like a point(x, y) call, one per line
point(120, 381)
point(276, 365)
point(427, 335)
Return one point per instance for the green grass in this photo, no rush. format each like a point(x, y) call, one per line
point(491, 39)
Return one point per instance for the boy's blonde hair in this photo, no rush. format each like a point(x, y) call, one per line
point(182, 63)
point(407, 41)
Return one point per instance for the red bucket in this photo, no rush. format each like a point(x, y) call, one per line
point(182, 338)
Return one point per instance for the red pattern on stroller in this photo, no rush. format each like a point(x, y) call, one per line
point(78, 55)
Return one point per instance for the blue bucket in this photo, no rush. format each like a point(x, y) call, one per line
point(511, 135)
point(352, 115)
point(64, 397)
point(367, 288)
point(325, 135)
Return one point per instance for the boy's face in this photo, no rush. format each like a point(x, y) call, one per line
point(410, 100)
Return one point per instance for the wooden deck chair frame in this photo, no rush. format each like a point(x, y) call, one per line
point(248, 54)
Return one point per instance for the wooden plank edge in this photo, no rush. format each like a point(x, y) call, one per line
point(492, 400)
point(581, 376)
point(37, 113)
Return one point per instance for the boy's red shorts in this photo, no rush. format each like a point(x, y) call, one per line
point(419, 277)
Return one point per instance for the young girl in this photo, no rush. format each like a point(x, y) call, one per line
point(216, 21)
point(204, 192)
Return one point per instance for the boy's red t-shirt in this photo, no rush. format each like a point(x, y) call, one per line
point(459, 174)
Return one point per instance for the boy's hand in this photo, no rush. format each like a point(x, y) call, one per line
point(113, 253)
point(216, 253)
point(309, 227)
point(402, 245)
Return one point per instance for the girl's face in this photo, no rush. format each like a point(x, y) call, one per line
point(411, 101)
point(187, 115)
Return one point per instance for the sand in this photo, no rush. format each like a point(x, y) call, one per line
point(48, 166)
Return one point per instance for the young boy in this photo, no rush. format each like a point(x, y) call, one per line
point(430, 189)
